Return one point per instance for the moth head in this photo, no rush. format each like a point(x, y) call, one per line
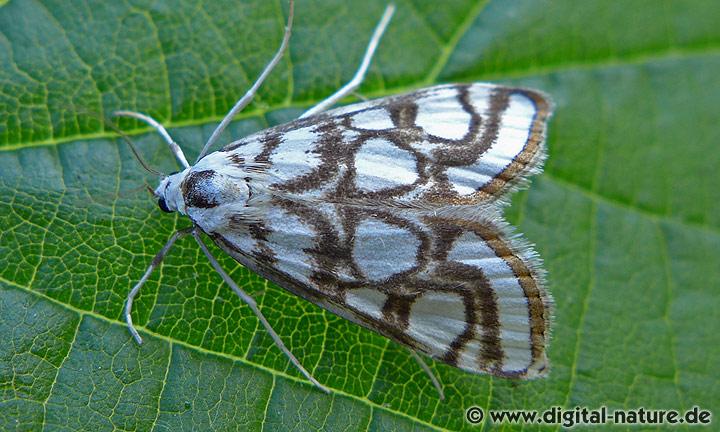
point(168, 193)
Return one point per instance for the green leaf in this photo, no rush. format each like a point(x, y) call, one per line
point(626, 214)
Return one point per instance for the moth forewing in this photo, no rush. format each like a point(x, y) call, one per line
point(387, 213)
point(483, 141)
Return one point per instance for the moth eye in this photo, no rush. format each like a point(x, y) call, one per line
point(163, 205)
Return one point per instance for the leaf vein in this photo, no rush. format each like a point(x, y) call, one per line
point(273, 372)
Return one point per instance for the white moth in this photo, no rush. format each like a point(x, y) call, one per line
point(386, 213)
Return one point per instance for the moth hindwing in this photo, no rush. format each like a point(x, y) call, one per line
point(387, 213)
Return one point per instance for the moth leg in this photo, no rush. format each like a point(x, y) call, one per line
point(253, 306)
point(355, 82)
point(134, 291)
point(248, 97)
point(426, 368)
point(174, 147)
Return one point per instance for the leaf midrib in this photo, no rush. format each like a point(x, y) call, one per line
point(638, 58)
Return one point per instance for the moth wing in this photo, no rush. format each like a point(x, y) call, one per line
point(384, 212)
point(461, 290)
point(449, 144)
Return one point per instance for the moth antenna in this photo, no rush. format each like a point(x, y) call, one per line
point(136, 153)
point(128, 192)
point(125, 138)
point(174, 147)
point(149, 189)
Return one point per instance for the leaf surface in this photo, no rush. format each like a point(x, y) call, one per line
point(626, 214)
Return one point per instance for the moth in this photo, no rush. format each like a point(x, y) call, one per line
point(387, 213)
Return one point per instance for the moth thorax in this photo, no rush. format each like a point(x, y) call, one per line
point(208, 189)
